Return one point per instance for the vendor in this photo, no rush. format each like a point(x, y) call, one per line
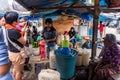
point(49, 35)
point(72, 36)
point(110, 62)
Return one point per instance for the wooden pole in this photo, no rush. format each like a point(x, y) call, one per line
point(95, 29)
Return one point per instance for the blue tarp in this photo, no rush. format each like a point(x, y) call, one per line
point(1, 13)
point(106, 18)
point(56, 14)
point(86, 16)
point(103, 3)
point(63, 3)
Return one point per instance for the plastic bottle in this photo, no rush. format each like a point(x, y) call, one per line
point(52, 60)
point(79, 58)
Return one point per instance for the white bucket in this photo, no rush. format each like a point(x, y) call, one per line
point(36, 51)
point(48, 74)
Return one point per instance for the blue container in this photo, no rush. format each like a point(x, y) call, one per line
point(65, 51)
point(66, 64)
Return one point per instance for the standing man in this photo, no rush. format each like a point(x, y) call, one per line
point(49, 35)
point(101, 28)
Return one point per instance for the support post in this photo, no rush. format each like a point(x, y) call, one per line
point(95, 29)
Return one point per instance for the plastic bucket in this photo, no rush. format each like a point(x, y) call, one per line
point(66, 64)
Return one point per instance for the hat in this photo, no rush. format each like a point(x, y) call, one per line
point(111, 38)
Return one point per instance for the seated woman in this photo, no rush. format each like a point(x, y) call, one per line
point(110, 62)
point(72, 36)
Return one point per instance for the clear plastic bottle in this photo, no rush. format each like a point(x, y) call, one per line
point(52, 60)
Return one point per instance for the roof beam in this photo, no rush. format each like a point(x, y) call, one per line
point(68, 7)
point(104, 8)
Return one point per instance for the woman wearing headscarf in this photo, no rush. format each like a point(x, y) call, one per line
point(110, 62)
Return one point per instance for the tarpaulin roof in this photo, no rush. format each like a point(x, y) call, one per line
point(47, 5)
point(47, 8)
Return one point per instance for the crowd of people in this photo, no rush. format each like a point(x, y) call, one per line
point(15, 36)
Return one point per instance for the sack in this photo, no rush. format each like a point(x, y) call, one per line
point(48, 74)
point(41, 65)
point(25, 52)
point(81, 74)
point(113, 3)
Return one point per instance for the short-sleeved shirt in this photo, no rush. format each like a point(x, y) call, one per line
point(49, 35)
point(3, 50)
point(14, 35)
point(101, 27)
